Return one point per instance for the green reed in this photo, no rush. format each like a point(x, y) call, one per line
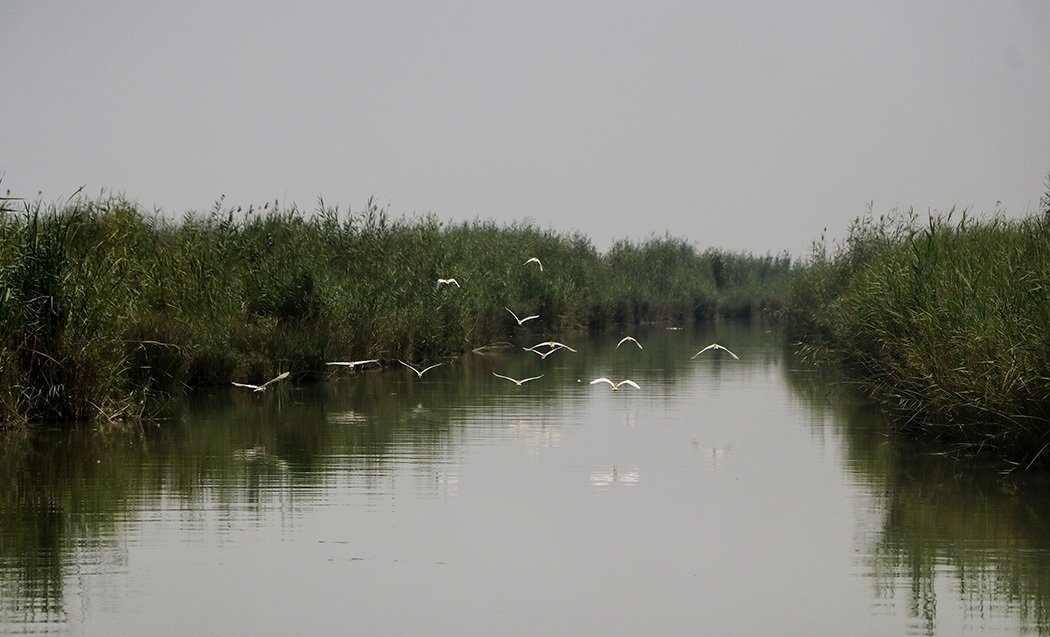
point(946, 321)
point(105, 308)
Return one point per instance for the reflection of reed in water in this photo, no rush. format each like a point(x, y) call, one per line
point(615, 475)
point(536, 435)
point(258, 455)
point(943, 524)
point(712, 454)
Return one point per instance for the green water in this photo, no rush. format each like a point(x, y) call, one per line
point(724, 497)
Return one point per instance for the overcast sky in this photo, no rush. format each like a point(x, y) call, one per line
point(738, 125)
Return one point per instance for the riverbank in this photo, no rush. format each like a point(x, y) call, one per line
point(104, 308)
point(946, 322)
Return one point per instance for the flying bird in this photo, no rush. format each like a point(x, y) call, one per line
point(553, 345)
point(256, 388)
point(448, 282)
point(420, 373)
point(520, 320)
point(628, 338)
point(517, 382)
point(616, 386)
point(353, 363)
point(542, 355)
point(535, 260)
point(714, 346)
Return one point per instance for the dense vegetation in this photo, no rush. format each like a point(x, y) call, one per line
point(945, 321)
point(103, 306)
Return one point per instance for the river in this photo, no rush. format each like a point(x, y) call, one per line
point(758, 496)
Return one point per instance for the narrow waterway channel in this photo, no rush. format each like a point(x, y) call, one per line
point(724, 497)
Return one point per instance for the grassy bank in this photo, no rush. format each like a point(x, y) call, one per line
point(104, 307)
point(945, 321)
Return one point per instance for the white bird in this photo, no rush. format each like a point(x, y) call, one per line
point(353, 363)
point(262, 387)
point(714, 346)
point(616, 386)
point(553, 345)
point(448, 282)
point(520, 320)
point(628, 338)
point(535, 260)
point(420, 373)
point(542, 355)
point(517, 382)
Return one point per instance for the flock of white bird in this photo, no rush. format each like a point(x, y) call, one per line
point(542, 349)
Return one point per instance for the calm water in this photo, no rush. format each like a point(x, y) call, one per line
point(750, 497)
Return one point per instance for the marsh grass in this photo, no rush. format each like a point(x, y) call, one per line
point(946, 321)
point(107, 310)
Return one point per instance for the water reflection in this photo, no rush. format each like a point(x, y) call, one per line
point(374, 482)
point(605, 477)
point(955, 539)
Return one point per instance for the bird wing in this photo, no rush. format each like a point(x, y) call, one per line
point(513, 380)
point(728, 352)
point(703, 350)
point(528, 318)
point(255, 387)
point(628, 382)
point(557, 344)
point(603, 380)
point(628, 338)
point(535, 260)
point(525, 380)
point(512, 314)
point(425, 370)
point(409, 366)
point(279, 377)
point(353, 363)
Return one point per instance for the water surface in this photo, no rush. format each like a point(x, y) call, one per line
point(726, 497)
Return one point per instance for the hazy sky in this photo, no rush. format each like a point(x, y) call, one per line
point(738, 125)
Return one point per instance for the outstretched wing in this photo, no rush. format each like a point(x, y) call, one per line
point(525, 380)
point(603, 380)
point(274, 380)
point(353, 363)
point(249, 386)
point(726, 350)
point(715, 346)
point(711, 346)
point(513, 380)
point(427, 369)
point(628, 382)
point(560, 345)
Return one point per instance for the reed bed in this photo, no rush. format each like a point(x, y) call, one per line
point(105, 308)
point(946, 321)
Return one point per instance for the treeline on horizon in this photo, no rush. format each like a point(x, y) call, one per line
point(104, 307)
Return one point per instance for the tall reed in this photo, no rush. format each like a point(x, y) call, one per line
point(947, 321)
point(104, 307)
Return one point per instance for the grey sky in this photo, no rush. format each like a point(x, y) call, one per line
point(739, 125)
